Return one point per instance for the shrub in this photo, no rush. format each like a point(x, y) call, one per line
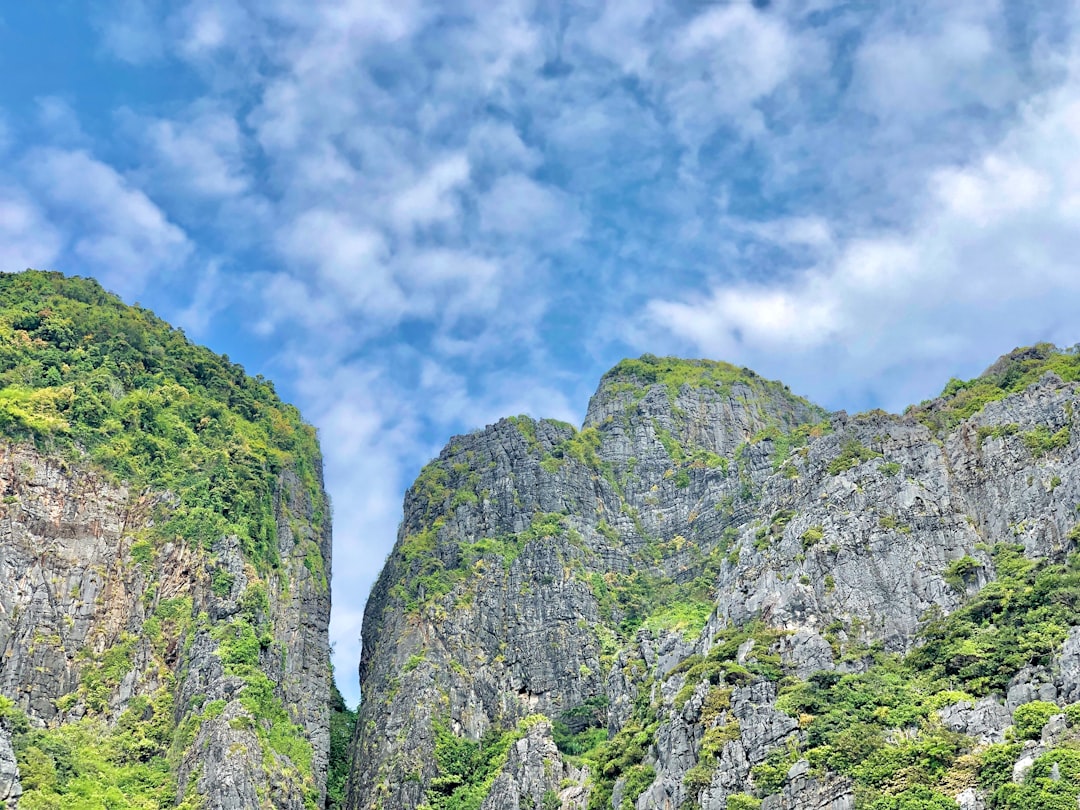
point(1030, 718)
point(852, 454)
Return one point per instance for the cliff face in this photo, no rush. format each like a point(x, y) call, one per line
point(164, 564)
point(716, 595)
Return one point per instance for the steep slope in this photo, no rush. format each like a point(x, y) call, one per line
point(165, 554)
point(714, 595)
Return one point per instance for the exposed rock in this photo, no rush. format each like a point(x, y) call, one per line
point(1054, 731)
point(533, 777)
point(969, 799)
point(10, 789)
point(1067, 669)
point(985, 719)
point(803, 792)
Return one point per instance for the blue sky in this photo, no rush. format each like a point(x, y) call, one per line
point(419, 217)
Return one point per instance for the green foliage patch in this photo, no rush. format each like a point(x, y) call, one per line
point(88, 765)
point(467, 768)
point(1011, 374)
point(1019, 619)
point(342, 726)
point(852, 454)
point(85, 375)
point(880, 727)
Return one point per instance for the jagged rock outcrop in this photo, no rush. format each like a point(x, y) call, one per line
point(691, 586)
point(164, 564)
point(534, 775)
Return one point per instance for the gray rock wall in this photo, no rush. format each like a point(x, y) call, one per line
point(76, 581)
point(10, 788)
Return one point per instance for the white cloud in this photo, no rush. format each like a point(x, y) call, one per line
point(518, 207)
point(432, 198)
point(454, 281)
point(202, 153)
point(132, 31)
point(498, 146)
point(991, 252)
point(729, 57)
point(349, 261)
point(27, 238)
point(58, 120)
point(618, 34)
point(213, 293)
point(939, 57)
point(209, 26)
point(117, 231)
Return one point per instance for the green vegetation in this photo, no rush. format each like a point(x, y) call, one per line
point(1020, 618)
point(959, 573)
point(742, 801)
point(812, 536)
point(880, 727)
point(1030, 718)
point(1014, 372)
point(852, 454)
point(87, 765)
point(85, 375)
point(687, 617)
point(467, 768)
point(1053, 783)
point(997, 431)
point(342, 726)
point(674, 373)
point(1041, 441)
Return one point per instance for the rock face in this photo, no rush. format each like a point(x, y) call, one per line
point(126, 620)
point(666, 584)
point(10, 788)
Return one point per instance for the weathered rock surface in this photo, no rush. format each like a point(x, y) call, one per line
point(535, 776)
point(10, 788)
point(985, 720)
point(524, 546)
point(803, 792)
point(75, 584)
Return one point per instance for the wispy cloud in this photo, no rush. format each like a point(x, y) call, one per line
point(990, 251)
point(118, 233)
point(27, 238)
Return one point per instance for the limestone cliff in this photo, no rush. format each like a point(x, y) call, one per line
point(717, 595)
point(164, 564)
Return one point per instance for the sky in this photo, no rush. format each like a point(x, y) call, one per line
point(418, 217)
